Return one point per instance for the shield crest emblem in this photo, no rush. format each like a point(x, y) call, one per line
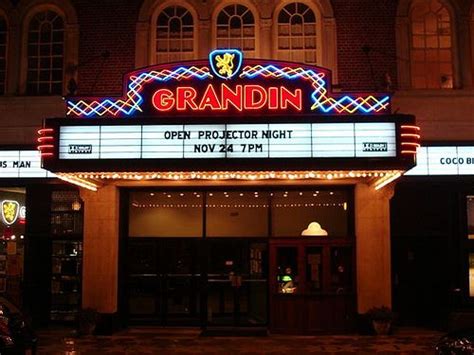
point(10, 211)
point(225, 63)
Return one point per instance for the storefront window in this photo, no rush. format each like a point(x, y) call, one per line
point(287, 261)
point(310, 213)
point(165, 214)
point(314, 256)
point(341, 269)
point(471, 274)
point(237, 214)
point(470, 217)
point(13, 214)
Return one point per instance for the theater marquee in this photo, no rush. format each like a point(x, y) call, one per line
point(208, 114)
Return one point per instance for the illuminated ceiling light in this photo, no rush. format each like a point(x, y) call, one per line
point(152, 194)
point(387, 180)
point(77, 181)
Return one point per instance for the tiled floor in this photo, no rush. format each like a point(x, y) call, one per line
point(169, 341)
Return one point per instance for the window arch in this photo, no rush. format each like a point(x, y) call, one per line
point(297, 34)
point(3, 53)
point(235, 28)
point(431, 45)
point(175, 35)
point(45, 52)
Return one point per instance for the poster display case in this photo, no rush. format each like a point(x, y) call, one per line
point(66, 255)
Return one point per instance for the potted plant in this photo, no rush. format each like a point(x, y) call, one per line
point(87, 320)
point(381, 318)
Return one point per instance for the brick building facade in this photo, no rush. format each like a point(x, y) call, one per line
point(422, 51)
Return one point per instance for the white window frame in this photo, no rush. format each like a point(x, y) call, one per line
point(153, 53)
point(280, 53)
point(247, 53)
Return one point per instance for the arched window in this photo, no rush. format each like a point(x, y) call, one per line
point(431, 55)
point(174, 35)
point(235, 28)
point(297, 34)
point(3, 54)
point(45, 50)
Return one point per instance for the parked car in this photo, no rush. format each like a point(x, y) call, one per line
point(16, 336)
point(456, 343)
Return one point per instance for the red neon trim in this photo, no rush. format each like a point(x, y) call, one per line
point(209, 99)
point(163, 103)
point(410, 127)
point(286, 97)
point(185, 97)
point(273, 94)
point(45, 130)
point(41, 139)
point(249, 100)
point(410, 135)
point(232, 97)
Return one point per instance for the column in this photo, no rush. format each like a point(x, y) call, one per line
point(372, 225)
point(100, 249)
point(266, 49)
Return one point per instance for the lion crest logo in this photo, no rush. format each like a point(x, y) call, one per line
point(10, 210)
point(225, 63)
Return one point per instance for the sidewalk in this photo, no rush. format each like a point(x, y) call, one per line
point(154, 340)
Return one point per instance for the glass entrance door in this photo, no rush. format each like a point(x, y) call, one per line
point(164, 281)
point(237, 282)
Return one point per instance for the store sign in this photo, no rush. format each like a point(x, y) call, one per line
point(227, 84)
point(10, 211)
point(227, 141)
point(457, 160)
point(22, 164)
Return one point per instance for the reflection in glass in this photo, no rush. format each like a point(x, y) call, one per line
point(470, 217)
point(287, 273)
point(471, 274)
point(298, 212)
point(341, 269)
point(161, 214)
point(314, 256)
point(237, 214)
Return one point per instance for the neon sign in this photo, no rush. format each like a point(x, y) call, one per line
point(242, 98)
point(228, 85)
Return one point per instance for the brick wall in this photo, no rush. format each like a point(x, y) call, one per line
point(367, 23)
point(108, 25)
point(105, 26)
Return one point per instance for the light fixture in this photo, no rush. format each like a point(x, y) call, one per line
point(76, 205)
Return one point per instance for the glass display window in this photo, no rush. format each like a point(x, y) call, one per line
point(166, 214)
point(341, 269)
point(12, 233)
point(310, 213)
point(314, 271)
point(287, 274)
point(470, 216)
point(471, 274)
point(237, 214)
